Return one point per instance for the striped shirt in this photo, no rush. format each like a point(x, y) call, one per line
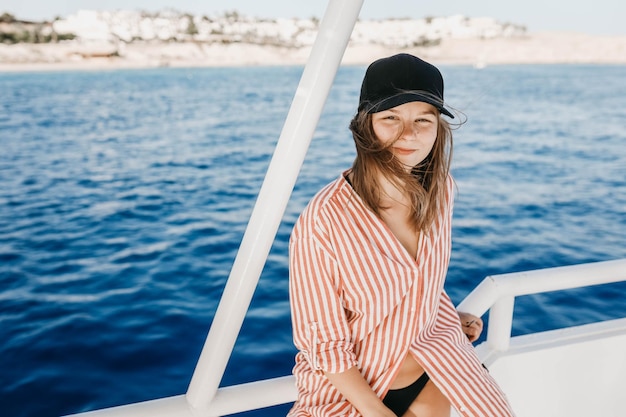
point(358, 298)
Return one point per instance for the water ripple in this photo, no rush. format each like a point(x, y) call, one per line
point(124, 196)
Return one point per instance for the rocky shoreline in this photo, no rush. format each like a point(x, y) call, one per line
point(539, 48)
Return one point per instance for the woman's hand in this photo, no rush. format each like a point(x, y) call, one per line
point(355, 388)
point(472, 325)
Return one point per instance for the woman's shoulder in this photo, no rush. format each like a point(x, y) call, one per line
point(330, 193)
point(334, 194)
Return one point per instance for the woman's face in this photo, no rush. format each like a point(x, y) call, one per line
point(410, 129)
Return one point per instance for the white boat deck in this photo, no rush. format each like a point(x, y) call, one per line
point(574, 372)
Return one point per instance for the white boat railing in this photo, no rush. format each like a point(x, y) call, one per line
point(544, 373)
point(495, 294)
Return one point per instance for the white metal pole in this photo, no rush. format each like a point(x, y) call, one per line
point(306, 108)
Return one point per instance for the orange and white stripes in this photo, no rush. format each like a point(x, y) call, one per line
point(359, 298)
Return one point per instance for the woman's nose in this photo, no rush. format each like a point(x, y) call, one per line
point(409, 130)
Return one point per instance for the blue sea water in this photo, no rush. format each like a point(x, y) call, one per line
point(124, 196)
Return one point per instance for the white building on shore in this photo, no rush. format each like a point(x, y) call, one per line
point(167, 26)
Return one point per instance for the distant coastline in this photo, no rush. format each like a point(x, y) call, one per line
point(540, 48)
point(131, 39)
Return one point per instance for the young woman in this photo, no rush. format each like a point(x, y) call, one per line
point(376, 332)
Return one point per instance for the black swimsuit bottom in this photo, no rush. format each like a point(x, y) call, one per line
point(399, 400)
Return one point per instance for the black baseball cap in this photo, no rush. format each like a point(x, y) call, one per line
point(400, 79)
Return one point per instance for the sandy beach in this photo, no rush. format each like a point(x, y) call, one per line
point(538, 48)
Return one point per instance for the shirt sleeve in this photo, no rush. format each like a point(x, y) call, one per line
point(320, 328)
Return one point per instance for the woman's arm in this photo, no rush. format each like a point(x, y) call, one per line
point(355, 389)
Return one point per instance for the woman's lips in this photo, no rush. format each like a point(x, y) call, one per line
point(404, 151)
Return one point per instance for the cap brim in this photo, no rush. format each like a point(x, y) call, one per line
point(404, 98)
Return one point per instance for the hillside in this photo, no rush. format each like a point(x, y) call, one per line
point(104, 39)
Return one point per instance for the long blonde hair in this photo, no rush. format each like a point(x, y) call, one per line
point(425, 184)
